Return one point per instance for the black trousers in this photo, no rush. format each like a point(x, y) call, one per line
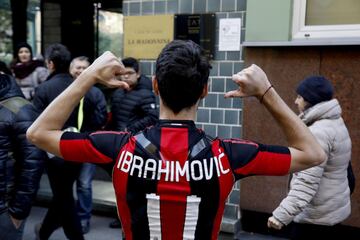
point(62, 211)
point(311, 231)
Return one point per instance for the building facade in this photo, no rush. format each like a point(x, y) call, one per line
point(290, 39)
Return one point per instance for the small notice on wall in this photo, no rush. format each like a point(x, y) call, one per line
point(146, 36)
point(230, 34)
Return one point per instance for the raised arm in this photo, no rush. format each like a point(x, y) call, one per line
point(305, 150)
point(46, 132)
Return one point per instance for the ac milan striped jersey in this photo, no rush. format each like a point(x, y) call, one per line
point(171, 181)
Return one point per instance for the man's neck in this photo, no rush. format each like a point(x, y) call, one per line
point(185, 114)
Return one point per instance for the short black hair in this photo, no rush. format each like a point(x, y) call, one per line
point(182, 71)
point(131, 63)
point(60, 56)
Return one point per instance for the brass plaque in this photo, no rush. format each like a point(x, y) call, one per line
point(145, 36)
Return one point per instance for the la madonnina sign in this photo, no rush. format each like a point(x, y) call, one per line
point(145, 36)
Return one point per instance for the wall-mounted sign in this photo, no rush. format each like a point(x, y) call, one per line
point(199, 28)
point(145, 36)
point(229, 34)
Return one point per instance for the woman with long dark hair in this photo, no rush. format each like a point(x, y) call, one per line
point(29, 72)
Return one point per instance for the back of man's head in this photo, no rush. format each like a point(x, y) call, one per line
point(182, 71)
point(60, 57)
point(131, 63)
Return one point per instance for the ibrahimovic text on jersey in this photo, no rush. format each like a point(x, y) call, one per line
point(171, 171)
point(171, 181)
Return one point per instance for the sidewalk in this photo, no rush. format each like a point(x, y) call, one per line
point(103, 194)
point(104, 203)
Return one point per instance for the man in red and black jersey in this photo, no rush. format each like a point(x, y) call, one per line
point(171, 180)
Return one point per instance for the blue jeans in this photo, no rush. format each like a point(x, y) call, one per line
point(8, 229)
point(84, 191)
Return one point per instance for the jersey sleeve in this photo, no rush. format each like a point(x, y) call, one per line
point(250, 158)
point(98, 147)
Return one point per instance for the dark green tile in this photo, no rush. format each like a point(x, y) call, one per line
point(230, 85)
point(203, 115)
point(211, 100)
point(231, 117)
point(210, 130)
point(233, 55)
point(226, 69)
point(224, 102)
point(159, 7)
point(172, 6)
point(145, 68)
point(213, 6)
point(147, 8)
point(134, 9)
point(199, 6)
point(217, 116)
point(228, 5)
point(215, 69)
point(186, 6)
point(236, 132)
point(125, 9)
point(224, 131)
point(218, 85)
point(241, 5)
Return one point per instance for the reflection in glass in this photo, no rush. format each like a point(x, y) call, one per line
point(332, 12)
point(5, 31)
point(110, 32)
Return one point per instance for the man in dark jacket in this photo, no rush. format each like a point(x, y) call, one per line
point(86, 117)
point(21, 163)
point(135, 109)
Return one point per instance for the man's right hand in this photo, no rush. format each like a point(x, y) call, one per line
point(105, 70)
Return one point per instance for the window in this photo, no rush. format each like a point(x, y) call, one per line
point(5, 32)
point(321, 19)
point(110, 32)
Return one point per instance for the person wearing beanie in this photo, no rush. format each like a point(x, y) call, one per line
point(28, 72)
point(319, 197)
point(315, 89)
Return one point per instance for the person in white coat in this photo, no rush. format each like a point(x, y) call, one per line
point(319, 197)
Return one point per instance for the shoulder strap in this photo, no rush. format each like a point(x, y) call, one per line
point(146, 144)
point(152, 149)
point(199, 146)
point(14, 104)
